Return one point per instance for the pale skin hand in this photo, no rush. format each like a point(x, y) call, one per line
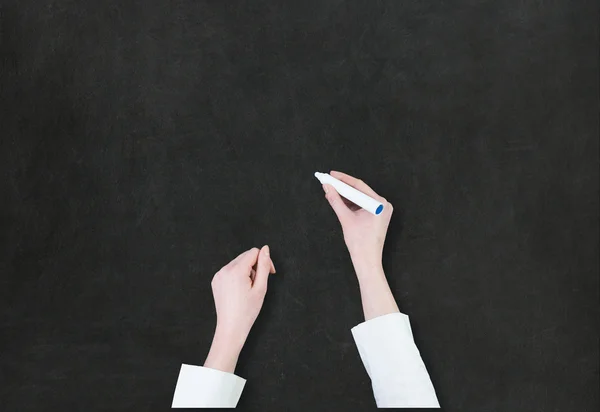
point(364, 234)
point(239, 290)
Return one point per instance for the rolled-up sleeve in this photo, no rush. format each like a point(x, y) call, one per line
point(200, 387)
point(393, 362)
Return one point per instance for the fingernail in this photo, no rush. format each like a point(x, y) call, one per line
point(273, 267)
point(326, 189)
point(266, 250)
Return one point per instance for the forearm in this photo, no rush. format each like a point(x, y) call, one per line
point(387, 347)
point(375, 293)
point(224, 353)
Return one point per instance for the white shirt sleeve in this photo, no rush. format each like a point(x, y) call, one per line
point(392, 360)
point(200, 387)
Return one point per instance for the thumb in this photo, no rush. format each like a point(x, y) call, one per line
point(263, 267)
point(336, 202)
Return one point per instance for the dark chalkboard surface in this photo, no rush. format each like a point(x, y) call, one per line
point(145, 144)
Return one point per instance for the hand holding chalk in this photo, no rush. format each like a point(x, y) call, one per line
point(355, 196)
point(364, 231)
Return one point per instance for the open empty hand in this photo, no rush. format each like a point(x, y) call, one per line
point(239, 290)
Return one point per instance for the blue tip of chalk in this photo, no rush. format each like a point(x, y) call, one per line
point(379, 209)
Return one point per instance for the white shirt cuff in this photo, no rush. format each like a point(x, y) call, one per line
point(200, 387)
point(392, 360)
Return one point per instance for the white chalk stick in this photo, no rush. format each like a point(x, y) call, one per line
point(355, 196)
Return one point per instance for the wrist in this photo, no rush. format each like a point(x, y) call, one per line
point(224, 352)
point(368, 268)
point(232, 338)
point(376, 295)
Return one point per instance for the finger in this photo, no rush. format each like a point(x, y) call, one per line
point(390, 209)
point(263, 267)
point(241, 255)
point(246, 260)
point(337, 204)
point(356, 183)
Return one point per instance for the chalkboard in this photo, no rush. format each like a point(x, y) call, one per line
point(143, 145)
